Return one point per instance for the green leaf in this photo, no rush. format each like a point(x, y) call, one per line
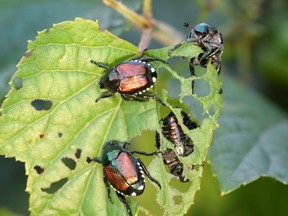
point(171, 197)
point(51, 122)
point(252, 139)
point(15, 36)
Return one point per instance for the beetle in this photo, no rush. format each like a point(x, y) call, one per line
point(173, 132)
point(183, 144)
point(132, 79)
point(210, 40)
point(123, 172)
point(172, 161)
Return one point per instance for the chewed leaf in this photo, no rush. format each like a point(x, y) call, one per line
point(211, 104)
point(51, 122)
point(52, 114)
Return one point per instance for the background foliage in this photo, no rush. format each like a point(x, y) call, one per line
point(255, 55)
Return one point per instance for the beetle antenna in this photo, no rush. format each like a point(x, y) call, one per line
point(104, 95)
point(125, 144)
point(154, 59)
point(144, 50)
point(97, 160)
point(141, 55)
point(101, 65)
point(186, 24)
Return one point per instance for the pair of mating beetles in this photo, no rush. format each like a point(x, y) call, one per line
point(133, 79)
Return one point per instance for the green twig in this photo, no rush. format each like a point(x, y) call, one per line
point(150, 28)
point(136, 19)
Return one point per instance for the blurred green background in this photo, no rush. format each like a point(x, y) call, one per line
point(256, 51)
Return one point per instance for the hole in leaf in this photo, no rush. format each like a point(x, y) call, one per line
point(39, 169)
point(60, 134)
point(174, 88)
point(201, 87)
point(55, 186)
point(199, 71)
point(78, 153)
point(69, 162)
point(180, 186)
point(212, 110)
point(177, 200)
point(28, 54)
point(88, 160)
point(196, 167)
point(41, 136)
point(18, 83)
point(181, 66)
point(195, 110)
point(40, 104)
point(220, 91)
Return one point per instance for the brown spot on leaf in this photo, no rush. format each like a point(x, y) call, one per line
point(28, 54)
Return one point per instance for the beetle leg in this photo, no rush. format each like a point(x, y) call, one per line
point(96, 160)
point(187, 121)
point(147, 173)
point(177, 169)
point(107, 187)
point(132, 97)
point(144, 153)
point(153, 59)
point(125, 143)
point(124, 201)
point(151, 96)
point(216, 61)
point(192, 72)
point(176, 47)
point(143, 97)
point(191, 39)
point(104, 95)
point(208, 49)
point(104, 179)
point(141, 55)
point(158, 140)
point(218, 68)
point(101, 65)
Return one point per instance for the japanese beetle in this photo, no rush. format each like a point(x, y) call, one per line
point(132, 79)
point(123, 172)
point(210, 40)
point(183, 144)
point(172, 161)
point(173, 132)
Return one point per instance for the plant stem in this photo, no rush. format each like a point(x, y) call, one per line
point(147, 32)
point(147, 10)
point(160, 31)
point(136, 19)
